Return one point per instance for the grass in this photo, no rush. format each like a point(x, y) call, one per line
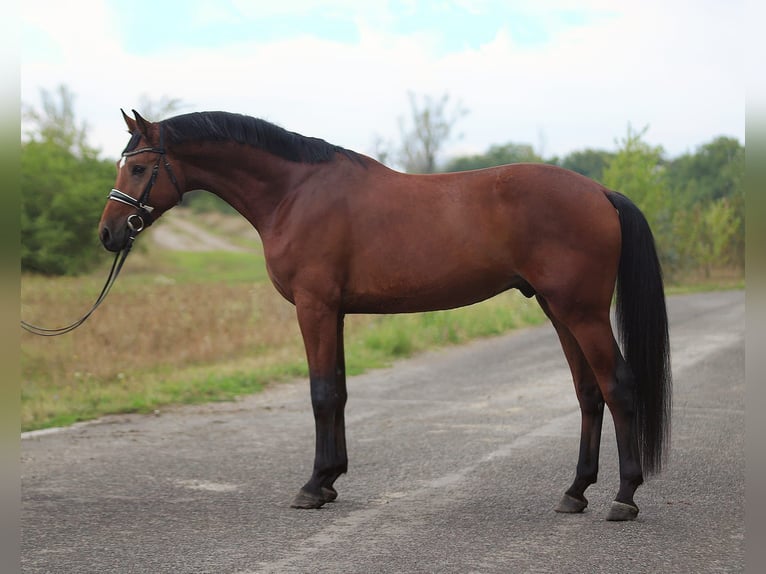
point(376, 341)
point(706, 285)
point(191, 327)
point(224, 266)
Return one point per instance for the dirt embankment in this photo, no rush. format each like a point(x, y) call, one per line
point(179, 230)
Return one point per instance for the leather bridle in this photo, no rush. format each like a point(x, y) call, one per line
point(144, 218)
point(136, 223)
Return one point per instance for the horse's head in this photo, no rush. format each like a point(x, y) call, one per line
point(146, 185)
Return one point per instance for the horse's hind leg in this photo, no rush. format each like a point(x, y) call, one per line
point(616, 383)
point(592, 412)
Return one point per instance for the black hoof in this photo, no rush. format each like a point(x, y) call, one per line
point(621, 511)
point(305, 499)
point(571, 505)
point(329, 494)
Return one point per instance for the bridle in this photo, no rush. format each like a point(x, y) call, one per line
point(136, 223)
point(144, 218)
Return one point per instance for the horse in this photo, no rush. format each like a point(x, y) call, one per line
point(343, 234)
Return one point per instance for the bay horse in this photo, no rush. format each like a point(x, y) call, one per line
point(343, 233)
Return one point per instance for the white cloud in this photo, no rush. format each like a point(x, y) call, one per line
point(673, 65)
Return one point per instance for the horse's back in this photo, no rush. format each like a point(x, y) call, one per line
point(445, 240)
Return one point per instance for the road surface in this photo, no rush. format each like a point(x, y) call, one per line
point(457, 458)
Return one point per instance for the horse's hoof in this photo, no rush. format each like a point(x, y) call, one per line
point(329, 493)
point(621, 511)
point(571, 505)
point(308, 500)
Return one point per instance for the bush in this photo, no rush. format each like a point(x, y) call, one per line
point(62, 197)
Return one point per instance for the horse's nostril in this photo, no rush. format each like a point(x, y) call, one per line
point(105, 236)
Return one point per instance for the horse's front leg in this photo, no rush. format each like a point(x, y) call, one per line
point(322, 330)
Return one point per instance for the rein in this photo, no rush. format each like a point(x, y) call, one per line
point(136, 223)
point(119, 260)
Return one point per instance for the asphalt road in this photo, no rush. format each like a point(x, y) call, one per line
point(457, 459)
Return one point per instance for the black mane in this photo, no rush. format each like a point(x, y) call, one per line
point(225, 126)
point(133, 143)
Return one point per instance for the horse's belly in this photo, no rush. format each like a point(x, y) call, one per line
point(408, 294)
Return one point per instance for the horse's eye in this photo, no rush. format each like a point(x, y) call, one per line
point(138, 170)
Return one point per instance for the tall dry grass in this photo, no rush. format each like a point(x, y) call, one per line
point(147, 335)
point(154, 325)
point(155, 342)
point(190, 327)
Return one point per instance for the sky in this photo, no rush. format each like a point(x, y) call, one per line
point(560, 75)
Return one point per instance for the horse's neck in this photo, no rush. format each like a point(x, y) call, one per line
point(252, 181)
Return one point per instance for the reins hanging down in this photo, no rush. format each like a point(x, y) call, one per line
point(119, 260)
point(136, 223)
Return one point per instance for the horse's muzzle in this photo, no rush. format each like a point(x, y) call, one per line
point(113, 241)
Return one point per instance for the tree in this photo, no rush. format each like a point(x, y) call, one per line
point(62, 197)
point(705, 234)
point(495, 155)
point(636, 170)
point(56, 123)
point(714, 171)
point(694, 204)
point(422, 137)
point(589, 162)
point(63, 189)
point(721, 225)
point(710, 217)
point(431, 129)
point(158, 110)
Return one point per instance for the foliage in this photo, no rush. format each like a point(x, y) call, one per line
point(56, 123)
point(158, 110)
point(714, 172)
point(589, 162)
point(63, 187)
point(62, 196)
point(694, 204)
point(495, 155)
point(636, 171)
point(207, 339)
point(423, 135)
point(709, 194)
point(201, 201)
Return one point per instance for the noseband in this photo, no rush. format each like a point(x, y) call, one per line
point(138, 221)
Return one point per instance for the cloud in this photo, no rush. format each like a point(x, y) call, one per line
point(591, 69)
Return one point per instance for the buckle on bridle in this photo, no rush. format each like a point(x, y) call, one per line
point(138, 226)
point(137, 222)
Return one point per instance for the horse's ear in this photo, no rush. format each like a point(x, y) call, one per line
point(130, 122)
point(143, 125)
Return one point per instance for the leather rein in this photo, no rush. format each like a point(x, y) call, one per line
point(136, 223)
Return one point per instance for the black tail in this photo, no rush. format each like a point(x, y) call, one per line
point(643, 324)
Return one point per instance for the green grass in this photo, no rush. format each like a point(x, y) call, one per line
point(179, 351)
point(147, 392)
point(195, 267)
point(195, 327)
point(218, 266)
point(705, 286)
point(389, 337)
